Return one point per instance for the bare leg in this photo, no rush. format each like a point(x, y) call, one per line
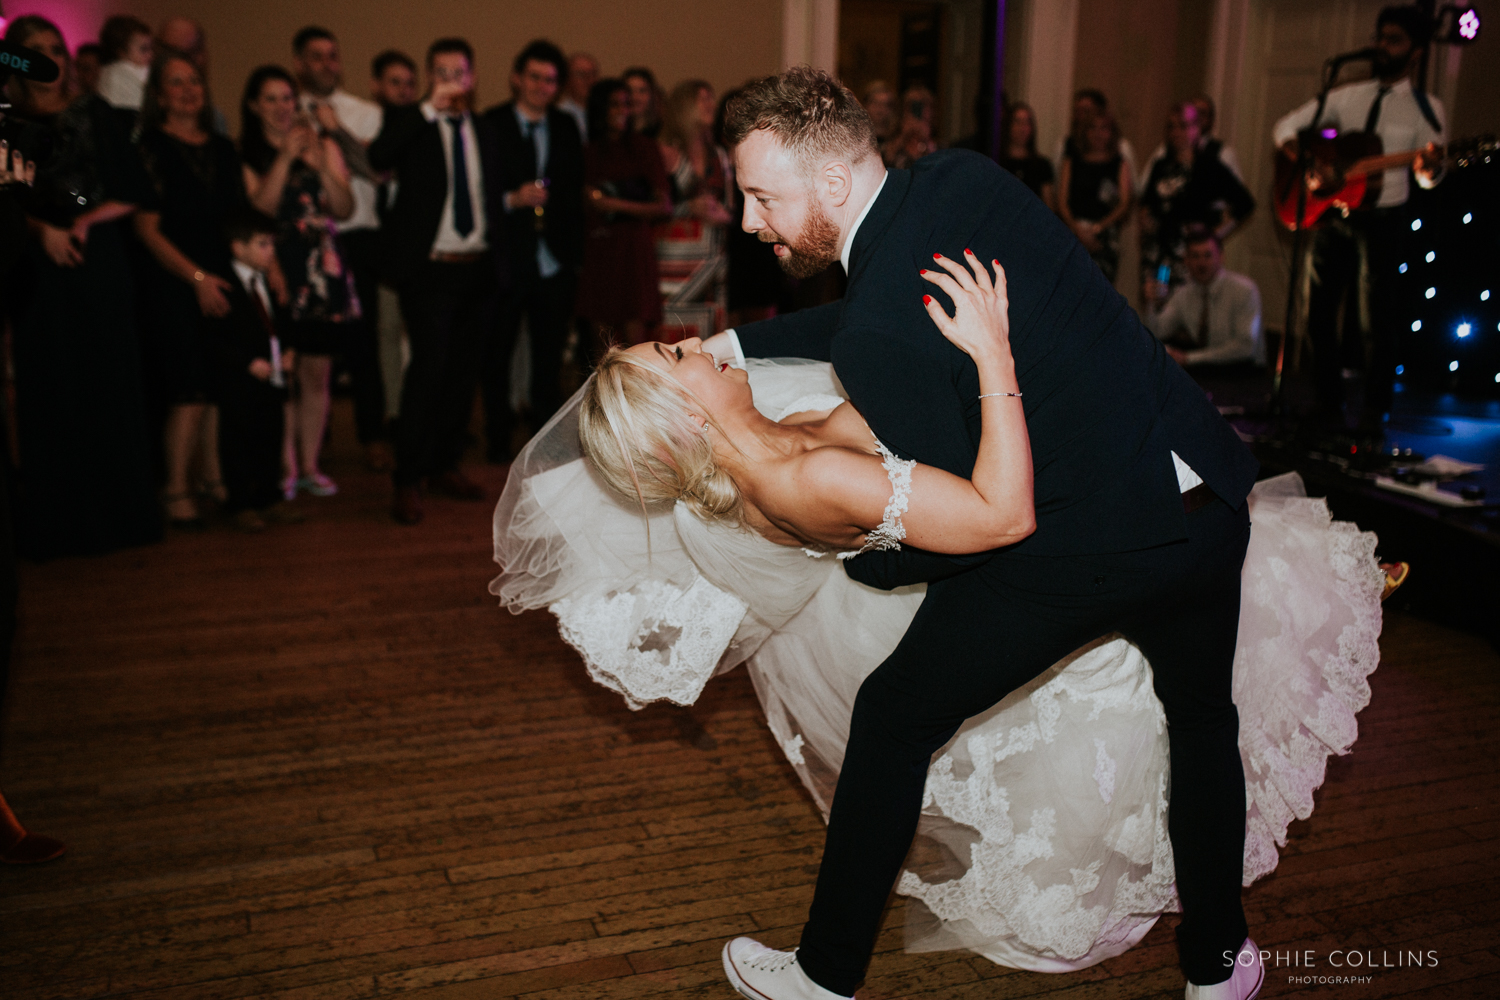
point(209, 472)
point(289, 445)
point(312, 409)
point(183, 426)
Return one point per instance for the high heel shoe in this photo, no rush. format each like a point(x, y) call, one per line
point(1395, 575)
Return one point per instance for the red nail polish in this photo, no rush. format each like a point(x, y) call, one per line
point(937, 256)
point(968, 251)
point(926, 300)
point(923, 271)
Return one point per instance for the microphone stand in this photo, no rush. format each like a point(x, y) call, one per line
point(1304, 162)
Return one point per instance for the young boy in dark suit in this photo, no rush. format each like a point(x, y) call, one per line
point(252, 374)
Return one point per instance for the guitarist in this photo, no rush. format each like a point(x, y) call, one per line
point(1368, 242)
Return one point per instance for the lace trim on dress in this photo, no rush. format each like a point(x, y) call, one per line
point(891, 531)
point(653, 642)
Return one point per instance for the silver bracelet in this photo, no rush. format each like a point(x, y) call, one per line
point(987, 395)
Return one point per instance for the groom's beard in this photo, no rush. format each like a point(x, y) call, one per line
point(814, 250)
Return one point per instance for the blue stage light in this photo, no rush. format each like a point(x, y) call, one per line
point(1416, 224)
point(1431, 292)
point(1463, 330)
point(1453, 366)
point(1468, 218)
point(1402, 269)
point(1400, 369)
point(1416, 325)
point(1431, 256)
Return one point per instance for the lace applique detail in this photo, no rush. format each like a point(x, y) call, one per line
point(654, 642)
point(890, 531)
point(1104, 771)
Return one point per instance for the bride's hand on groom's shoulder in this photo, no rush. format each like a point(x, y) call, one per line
point(980, 324)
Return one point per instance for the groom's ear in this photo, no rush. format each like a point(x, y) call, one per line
point(838, 181)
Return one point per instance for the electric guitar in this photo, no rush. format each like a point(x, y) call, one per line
point(1347, 172)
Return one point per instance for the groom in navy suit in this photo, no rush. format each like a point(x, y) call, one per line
point(1140, 491)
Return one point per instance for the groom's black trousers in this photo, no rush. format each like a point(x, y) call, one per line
point(981, 635)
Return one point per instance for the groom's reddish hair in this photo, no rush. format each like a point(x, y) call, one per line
point(809, 113)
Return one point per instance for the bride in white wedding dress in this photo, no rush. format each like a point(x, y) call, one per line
point(1043, 843)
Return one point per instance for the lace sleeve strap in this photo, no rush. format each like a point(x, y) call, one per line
point(891, 531)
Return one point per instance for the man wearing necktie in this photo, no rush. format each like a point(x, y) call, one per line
point(443, 251)
point(1211, 325)
point(541, 175)
point(1354, 262)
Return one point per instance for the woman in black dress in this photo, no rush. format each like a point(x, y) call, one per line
point(626, 190)
point(86, 482)
point(1190, 185)
point(196, 184)
point(1019, 155)
point(298, 176)
point(1097, 189)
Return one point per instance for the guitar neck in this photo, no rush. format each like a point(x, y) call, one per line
point(1379, 164)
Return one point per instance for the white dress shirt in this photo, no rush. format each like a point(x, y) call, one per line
point(255, 284)
point(448, 240)
point(1233, 303)
point(362, 120)
point(1401, 126)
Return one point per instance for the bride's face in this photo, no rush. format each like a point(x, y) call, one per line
point(721, 387)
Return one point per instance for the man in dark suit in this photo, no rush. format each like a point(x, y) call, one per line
point(444, 252)
point(541, 175)
point(1140, 491)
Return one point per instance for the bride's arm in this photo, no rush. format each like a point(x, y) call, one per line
point(837, 494)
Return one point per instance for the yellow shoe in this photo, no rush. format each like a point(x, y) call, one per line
point(1395, 576)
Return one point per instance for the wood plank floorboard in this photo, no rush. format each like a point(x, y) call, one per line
point(320, 764)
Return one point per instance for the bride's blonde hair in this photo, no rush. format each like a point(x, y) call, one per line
point(633, 425)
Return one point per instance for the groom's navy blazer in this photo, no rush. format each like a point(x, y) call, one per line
point(1105, 405)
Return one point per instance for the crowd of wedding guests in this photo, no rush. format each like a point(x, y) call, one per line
point(194, 281)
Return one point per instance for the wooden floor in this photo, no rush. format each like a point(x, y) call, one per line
point(320, 764)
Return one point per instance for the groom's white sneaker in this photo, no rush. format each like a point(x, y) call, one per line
point(1243, 983)
point(762, 973)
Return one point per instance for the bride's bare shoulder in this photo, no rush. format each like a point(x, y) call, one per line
point(826, 494)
